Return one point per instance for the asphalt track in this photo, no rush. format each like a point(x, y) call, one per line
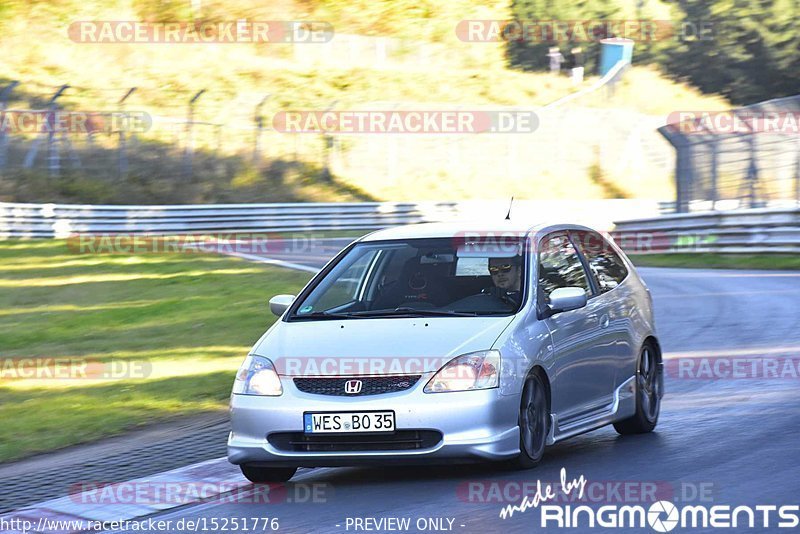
point(723, 441)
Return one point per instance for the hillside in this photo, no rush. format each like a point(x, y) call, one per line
point(407, 58)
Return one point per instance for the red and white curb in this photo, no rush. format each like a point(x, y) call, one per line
point(210, 481)
point(274, 261)
point(327, 248)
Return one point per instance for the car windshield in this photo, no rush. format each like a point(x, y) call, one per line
point(420, 277)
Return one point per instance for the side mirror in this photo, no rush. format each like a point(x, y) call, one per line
point(279, 303)
point(566, 299)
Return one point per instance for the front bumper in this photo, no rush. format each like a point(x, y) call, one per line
point(475, 425)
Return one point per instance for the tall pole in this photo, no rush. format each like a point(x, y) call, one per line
point(259, 120)
point(4, 96)
point(797, 176)
point(328, 139)
point(123, 154)
point(189, 154)
point(54, 158)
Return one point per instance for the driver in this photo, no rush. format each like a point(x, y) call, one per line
point(506, 276)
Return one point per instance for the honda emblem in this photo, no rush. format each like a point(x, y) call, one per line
point(351, 387)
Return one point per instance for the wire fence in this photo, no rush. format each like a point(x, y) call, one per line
point(200, 142)
point(745, 158)
point(98, 130)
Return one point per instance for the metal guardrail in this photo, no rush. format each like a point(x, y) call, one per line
point(741, 231)
point(62, 220)
point(735, 231)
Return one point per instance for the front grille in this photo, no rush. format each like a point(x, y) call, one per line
point(370, 385)
point(401, 440)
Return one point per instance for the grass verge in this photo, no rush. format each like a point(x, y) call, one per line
point(166, 332)
point(719, 261)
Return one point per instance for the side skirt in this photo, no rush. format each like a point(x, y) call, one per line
point(621, 407)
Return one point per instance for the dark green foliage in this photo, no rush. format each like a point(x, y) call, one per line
point(750, 53)
point(753, 53)
point(531, 53)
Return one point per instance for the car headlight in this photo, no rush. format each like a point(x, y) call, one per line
point(257, 376)
point(476, 370)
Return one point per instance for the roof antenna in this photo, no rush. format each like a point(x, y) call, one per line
point(508, 215)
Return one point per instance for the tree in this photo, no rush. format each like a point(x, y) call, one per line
point(531, 52)
point(752, 54)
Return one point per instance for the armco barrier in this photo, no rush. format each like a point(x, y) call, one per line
point(19, 220)
point(62, 220)
point(736, 231)
point(741, 231)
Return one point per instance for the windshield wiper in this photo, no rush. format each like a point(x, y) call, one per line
point(434, 313)
point(404, 311)
point(322, 315)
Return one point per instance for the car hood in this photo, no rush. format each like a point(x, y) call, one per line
point(375, 346)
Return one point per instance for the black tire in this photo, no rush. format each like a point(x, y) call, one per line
point(263, 475)
point(648, 394)
point(534, 423)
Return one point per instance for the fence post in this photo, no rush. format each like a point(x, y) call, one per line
point(54, 158)
point(189, 153)
point(797, 176)
point(30, 157)
point(123, 154)
point(327, 139)
point(714, 173)
point(752, 175)
point(4, 96)
point(683, 177)
point(259, 120)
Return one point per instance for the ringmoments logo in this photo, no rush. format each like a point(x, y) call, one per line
point(660, 516)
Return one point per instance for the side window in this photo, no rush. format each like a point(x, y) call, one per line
point(560, 266)
point(606, 265)
point(345, 287)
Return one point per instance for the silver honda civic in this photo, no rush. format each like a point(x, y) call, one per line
point(442, 343)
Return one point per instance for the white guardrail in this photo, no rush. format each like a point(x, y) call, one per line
point(753, 231)
point(19, 220)
point(638, 226)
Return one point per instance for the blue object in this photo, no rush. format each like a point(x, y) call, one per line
point(612, 51)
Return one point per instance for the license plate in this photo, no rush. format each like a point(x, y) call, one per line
point(317, 423)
